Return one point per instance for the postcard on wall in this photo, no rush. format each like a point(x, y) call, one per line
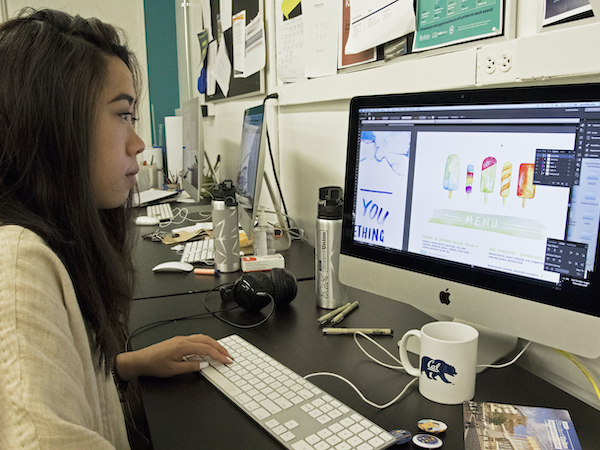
point(446, 22)
point(345, 60)
point(557, 10)
point(490, 426)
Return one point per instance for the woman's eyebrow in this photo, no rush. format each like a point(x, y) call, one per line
point(120, 97)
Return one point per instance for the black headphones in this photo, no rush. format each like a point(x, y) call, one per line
point(253, 291)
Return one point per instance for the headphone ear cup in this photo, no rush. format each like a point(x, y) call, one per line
point(249, 291)
point(253, 291)
point(285, 286)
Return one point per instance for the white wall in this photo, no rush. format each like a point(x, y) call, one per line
point(128, 15)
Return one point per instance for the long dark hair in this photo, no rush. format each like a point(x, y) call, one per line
point(52, 69)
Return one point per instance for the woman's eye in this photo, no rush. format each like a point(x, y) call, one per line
point(129, 117)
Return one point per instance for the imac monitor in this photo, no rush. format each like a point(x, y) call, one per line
point(248, 184)
point(193, 149)
point(481, 206)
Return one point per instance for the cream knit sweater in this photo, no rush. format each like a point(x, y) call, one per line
point(51, 397)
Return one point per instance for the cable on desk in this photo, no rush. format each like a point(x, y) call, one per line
point(582, 368)
point(174, 320)
point(233, 324)
point(360, 394)
point(184, 213)
point(506, 364)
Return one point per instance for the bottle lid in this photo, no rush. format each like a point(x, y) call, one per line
point(225, 192)
point(262, 219)
point(331, 203)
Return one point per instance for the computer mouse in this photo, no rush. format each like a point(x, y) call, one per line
point(173, 266)
point(146, 220)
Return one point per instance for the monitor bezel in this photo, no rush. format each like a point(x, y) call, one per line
point(573, 298)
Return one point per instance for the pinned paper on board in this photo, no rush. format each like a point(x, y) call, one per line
point(222, 68)
point(376, 22)
point(255, 45)
point(239, 43)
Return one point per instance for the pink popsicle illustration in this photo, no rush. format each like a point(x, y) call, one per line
point(488, 176)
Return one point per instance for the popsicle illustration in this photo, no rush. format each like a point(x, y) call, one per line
point(469, 186)
point(452, 174)
point(526, 188)
point(488, 176)
point(505, 181)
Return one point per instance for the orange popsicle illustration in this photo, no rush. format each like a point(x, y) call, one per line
point(488, 176)
point(526, 189)
point(505, 181)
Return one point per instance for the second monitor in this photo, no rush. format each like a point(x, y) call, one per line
point(193, 149)
point(250, 174)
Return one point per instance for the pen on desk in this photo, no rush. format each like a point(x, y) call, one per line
point(333, 313)
point(337, 319)
point(214, 272)
point(373, 331)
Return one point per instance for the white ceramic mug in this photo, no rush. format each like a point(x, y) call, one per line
point(447, 361)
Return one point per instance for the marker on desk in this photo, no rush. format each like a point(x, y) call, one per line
point(214, 272)
point(337, 319)
point(333, 313)
point(372, 331)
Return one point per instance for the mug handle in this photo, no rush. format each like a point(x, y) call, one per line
point(415, 372)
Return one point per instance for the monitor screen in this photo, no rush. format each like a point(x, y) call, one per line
point(248, 183)
point(493, 189)
point(193, 149)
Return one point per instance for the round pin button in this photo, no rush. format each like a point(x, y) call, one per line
point(427, 441)
point(402, 436)
point(432, 426)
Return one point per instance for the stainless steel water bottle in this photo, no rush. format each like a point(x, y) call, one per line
point(225, 228)
point(330, 292)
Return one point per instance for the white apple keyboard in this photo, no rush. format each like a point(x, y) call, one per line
point(294, 411)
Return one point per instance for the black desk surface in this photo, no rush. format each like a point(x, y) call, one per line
point(187, 412)
point(299, 259)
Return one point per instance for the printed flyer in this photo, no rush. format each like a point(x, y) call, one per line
point(445, 22)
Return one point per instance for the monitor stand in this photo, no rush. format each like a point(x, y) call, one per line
point(285, 240)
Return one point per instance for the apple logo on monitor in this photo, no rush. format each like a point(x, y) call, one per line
point(445, 297)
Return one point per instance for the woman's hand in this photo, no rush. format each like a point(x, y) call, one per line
point(165, 359)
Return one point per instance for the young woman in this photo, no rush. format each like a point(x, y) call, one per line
point(68, 96)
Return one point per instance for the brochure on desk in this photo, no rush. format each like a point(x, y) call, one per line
point(490, 426)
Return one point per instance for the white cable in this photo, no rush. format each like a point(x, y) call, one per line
point(366, 400)
point(359, 333)
point(506, 364)
point(299, 235)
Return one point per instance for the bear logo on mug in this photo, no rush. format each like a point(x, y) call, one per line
point(437, 368)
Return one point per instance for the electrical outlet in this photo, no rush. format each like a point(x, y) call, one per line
point(490, 63)
point(498, 63)
point(505, 61)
